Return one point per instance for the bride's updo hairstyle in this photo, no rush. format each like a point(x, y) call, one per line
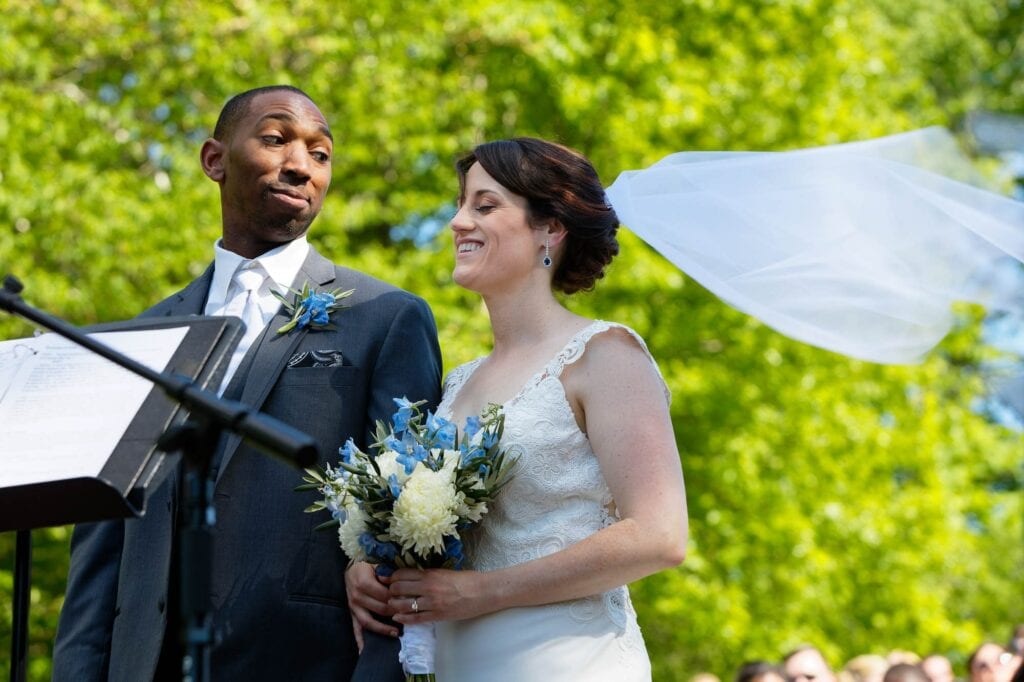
point(558, 184)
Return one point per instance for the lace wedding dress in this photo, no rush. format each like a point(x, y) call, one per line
point(556, 498)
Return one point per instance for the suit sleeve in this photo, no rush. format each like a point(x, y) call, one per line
point(82, 649)
point(409, 363)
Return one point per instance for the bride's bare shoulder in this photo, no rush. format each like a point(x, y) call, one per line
point(614, 357)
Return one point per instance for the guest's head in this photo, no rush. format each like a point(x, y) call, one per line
point(905, 672)
point(990, 662)
point(705, 677)
point(937, 667)
point(271, 155)
point(902, 656)
point(865, 668)
point(807, 664)
point(1016, 644)
point(524, 200)
point(759, 671)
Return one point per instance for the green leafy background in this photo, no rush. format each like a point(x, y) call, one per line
point(856, 506)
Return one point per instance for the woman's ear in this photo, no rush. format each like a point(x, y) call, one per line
point(212, 158)
point(555, 232)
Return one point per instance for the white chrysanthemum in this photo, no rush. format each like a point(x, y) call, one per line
point(425, 512)
point(349, 532)
point(389, 464)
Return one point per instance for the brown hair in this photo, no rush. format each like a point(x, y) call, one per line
point(558, 184)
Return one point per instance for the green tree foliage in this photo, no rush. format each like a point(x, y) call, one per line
point(847, 504)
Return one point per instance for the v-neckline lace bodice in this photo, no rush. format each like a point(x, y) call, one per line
point(557, 495)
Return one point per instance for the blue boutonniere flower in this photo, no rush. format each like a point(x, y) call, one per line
point(311, 308)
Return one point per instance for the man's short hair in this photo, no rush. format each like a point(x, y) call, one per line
point(238, 106)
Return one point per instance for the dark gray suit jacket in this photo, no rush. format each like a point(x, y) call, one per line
point(278, 590)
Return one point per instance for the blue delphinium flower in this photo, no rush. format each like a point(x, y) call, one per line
point(409, 459)
point(316, 306)
point(337, 513)
point(310, 309)
point(385, 551)
point(442, 430)
point(393, 486)
point(347, 451)
point(453, 550)
point(489, 440)
point(472, 426)
point(469, 453)
point(400, 419)
point(394, 444)
point(408, 449)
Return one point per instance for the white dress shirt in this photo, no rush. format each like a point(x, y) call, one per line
point(281, 266)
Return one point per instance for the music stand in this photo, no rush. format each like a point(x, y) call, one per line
point(195, 437)
point(119, 489)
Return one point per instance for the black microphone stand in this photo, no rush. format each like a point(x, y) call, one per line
point(196, 439)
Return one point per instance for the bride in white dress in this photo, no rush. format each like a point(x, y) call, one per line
point(597, 499)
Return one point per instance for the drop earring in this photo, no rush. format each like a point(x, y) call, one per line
point(547, 253)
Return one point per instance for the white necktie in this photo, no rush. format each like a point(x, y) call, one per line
point(245, 304)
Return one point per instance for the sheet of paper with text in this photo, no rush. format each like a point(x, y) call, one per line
point(63, 409)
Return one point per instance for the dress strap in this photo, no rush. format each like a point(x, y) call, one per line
point(574, 349)
point(458, 376)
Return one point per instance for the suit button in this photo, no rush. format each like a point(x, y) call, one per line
point(161, 605)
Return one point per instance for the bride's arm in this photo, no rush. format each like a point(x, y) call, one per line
point(619, 393)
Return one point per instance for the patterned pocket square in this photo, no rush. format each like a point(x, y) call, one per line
point(317, 358)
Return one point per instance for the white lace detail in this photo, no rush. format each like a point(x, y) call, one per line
point(558, 495)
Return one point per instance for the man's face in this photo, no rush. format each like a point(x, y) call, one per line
point(808, 666)
point(274, 170)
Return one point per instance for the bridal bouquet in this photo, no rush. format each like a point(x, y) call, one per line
point(406, 503)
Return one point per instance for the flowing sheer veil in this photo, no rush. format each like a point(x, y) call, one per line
point(860, 248)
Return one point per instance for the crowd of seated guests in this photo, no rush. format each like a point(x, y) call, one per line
point(989, 662)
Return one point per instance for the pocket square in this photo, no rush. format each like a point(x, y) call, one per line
point(317, 358)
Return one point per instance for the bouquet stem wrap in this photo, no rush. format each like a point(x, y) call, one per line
point(417, 654)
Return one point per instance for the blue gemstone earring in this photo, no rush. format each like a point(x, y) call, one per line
point(547, 253)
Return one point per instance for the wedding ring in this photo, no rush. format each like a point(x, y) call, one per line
point(415, 605)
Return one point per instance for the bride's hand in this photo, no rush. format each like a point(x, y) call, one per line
point(436, 594)
point(367, 595)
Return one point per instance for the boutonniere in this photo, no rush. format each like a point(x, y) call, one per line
point(311, 308)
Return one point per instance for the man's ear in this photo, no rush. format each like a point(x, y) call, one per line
point(212, 158)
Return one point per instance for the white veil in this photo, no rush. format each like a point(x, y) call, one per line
point(859, 248)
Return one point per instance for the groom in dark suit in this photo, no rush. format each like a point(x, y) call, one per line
point(277, 585)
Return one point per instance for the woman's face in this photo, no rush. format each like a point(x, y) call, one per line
point(496, 249)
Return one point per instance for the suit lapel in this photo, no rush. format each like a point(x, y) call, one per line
point(192, 299)
point(267, 358)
